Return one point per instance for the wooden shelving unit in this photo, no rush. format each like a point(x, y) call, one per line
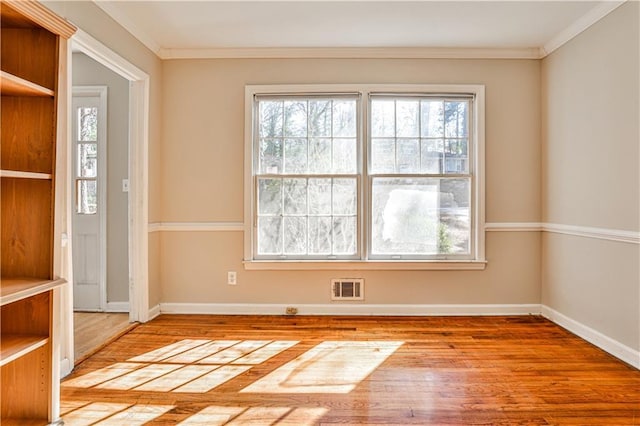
point(32, 42)
point(16, 86)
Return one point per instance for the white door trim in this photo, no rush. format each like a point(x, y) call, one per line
point(100, 92)
point(138, 167)
point(138, 199)
point(138, 181)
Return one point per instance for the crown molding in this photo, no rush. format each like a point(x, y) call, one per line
point(351, 53)
point(578, 26)
point(581, 24)
point(111, 9)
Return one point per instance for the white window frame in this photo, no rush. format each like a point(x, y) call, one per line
point(257, 175)
point(477, 259)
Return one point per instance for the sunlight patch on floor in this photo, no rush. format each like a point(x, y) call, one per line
point(136, 415)
point(303, 417)
point(102, 375)
point(67, 406)
point(168, 351)
point(186, 366)
point(196, 354)
point(114, 414)
point(330, 367)
point(138, 377)
point(234, 352)
point(264, 353)
point(214, 379)
point(258, 416)
point(212, 416)
point(176, 378)
point(93, 413)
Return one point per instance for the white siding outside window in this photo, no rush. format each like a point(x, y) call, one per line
point(419, 177)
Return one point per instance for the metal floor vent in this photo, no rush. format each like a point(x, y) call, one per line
point(347, 289)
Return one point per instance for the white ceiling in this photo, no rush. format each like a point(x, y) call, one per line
point(226, 28)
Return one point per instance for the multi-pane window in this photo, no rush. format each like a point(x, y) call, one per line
point(371, 175)
point(307, 177)
point(419, 176)
point(87, 161)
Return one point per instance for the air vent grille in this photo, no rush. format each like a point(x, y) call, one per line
point(347, 289)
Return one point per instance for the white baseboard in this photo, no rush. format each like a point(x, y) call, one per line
point(615, 348)
point(153, 312)
point(117, 307)
point(65, 367)
point(605, 343)
point(347, 309)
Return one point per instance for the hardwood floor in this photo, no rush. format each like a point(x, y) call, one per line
point(264, 370)
point(93, 330)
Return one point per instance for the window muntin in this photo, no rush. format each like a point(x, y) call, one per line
point(434, 146)
point(419, 176)
point(306, 182)
point(86, 174)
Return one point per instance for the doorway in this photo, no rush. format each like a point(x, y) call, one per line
point(100, 164)
point(137, 210)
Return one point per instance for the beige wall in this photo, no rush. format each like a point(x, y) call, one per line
point(561, 147)
point(194, 266)
point(91, 19)
point(203, 144)
point(87, 72)
point(591, 162)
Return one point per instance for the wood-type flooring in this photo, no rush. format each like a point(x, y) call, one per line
point(277, 370)
point(92, 330)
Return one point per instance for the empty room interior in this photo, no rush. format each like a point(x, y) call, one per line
point(320, 212)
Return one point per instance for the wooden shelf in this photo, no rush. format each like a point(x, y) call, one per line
point(35, 107)
point(12, 290)
point(15, 346)
point(27, 422)
point(24, 175)
point(12, 85)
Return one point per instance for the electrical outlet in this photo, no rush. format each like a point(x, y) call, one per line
point(232, 278)
point(291, 310)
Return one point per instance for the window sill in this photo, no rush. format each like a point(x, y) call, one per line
point(336, 265)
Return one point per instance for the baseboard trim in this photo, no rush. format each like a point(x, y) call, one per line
point(348, 309)
point(605, 343)
point(154, 312)
point(117, 307)
point(65, 367)
point(615, 348)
